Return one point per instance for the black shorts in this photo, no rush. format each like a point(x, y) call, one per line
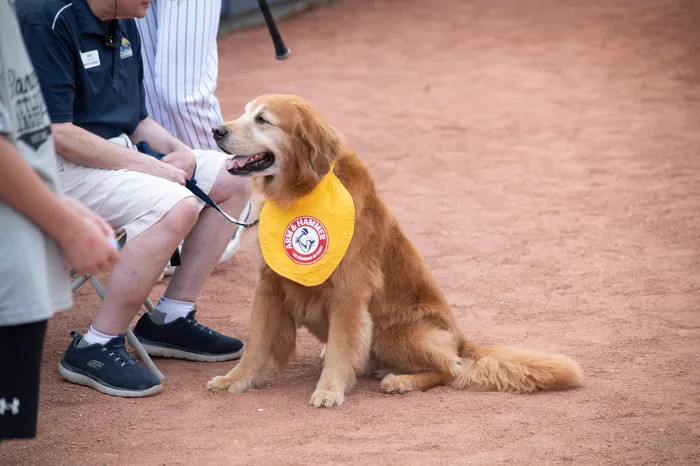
point(20, 360)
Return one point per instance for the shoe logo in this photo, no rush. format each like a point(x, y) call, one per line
point(95, 364)
point(13, 408)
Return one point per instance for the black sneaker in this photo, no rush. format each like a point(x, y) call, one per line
point(107, 368)
point(185, 338)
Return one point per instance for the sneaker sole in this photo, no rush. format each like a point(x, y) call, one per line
point(153, 349)
point(76, 376)
point(231, 249)
point(235, 243)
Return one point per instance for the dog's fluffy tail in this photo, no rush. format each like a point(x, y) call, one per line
point(517, 370)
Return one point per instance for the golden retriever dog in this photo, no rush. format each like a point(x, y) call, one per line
point(381, 311)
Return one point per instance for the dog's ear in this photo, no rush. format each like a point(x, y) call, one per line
point(316, 142)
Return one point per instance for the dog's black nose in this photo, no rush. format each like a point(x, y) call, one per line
point(220, 131)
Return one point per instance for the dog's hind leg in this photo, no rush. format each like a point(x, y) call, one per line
point(408, 382)
point(427, 356)
point(272, 333)
point(347, 350)
point(375, 370)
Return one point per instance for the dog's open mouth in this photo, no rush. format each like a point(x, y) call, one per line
point(249, 164)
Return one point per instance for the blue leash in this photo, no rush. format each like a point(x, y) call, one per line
point(191, 184)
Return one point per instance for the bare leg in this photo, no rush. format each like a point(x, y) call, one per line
point(208, 239)
point(141, 262)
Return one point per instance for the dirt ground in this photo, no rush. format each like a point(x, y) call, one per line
point(544, 158)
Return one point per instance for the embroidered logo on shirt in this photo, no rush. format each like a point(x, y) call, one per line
point(125, 49)
point(90, 59)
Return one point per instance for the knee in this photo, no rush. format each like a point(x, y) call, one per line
point(181, 218)
point(228, 186)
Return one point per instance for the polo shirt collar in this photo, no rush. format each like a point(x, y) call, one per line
point(87, 21)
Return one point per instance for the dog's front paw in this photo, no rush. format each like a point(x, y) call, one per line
point(239, 387)
point(220, 382)
point(326, 399)
point(223, 382)
point(397, 384)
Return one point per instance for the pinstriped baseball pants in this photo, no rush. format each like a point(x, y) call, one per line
point(178, 40)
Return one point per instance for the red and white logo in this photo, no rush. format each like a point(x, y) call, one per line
point(305, 240)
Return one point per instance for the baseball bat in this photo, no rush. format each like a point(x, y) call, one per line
point(281, 50)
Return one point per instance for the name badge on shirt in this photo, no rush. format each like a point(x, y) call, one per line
point(90, 59)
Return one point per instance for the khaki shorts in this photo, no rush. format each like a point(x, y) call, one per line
point(132, 201)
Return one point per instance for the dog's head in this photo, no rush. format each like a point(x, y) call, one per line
point(284, 142)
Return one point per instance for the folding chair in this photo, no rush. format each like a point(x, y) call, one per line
point(133, 341)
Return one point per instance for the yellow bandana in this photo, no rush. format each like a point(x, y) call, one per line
point(306, 242)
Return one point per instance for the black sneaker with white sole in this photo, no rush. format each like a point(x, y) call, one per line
point(107, 368)
point(185, 338)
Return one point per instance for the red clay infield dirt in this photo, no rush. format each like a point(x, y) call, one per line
point(544, 157)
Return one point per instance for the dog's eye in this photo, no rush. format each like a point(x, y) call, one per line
point(260, 119)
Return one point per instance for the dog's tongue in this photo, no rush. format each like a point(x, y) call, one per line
point(237, 161)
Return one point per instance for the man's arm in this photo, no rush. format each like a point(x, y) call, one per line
point(160, 140)
point(84, 148)
point(84, 241)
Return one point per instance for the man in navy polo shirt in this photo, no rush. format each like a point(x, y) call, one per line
point(87, 55)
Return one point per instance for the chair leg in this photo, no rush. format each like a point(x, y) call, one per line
point(136, 344)
point(133, 341)
point(149, 305)
point(78, 282)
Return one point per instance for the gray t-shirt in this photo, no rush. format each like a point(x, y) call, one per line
point(34, 281)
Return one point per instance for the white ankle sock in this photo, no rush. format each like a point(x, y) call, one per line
point(93, 336)
point(172, 308)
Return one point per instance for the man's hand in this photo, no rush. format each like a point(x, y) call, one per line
point(177, 155)
point(183, 159)
point(80, 209)
point(155, 167)
point(86, 240)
